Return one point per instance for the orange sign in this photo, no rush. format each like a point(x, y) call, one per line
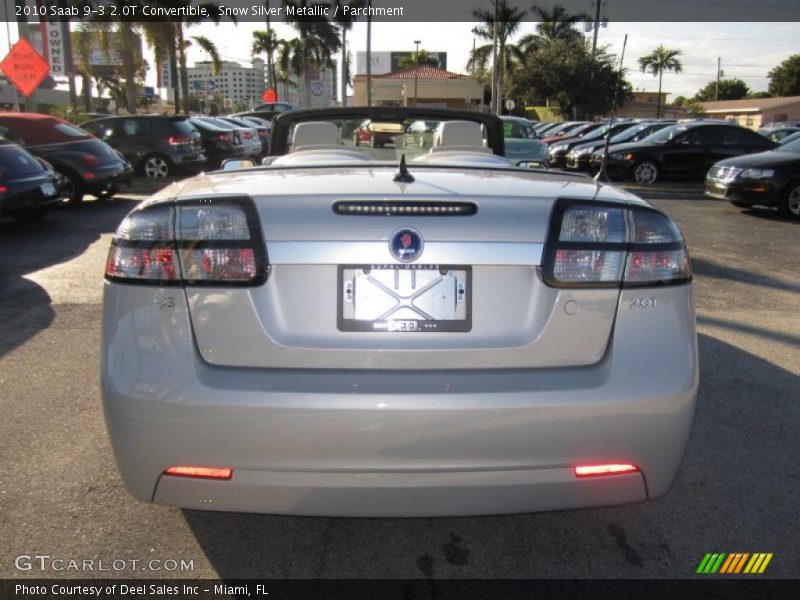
point(24, 67)
point(269, 96)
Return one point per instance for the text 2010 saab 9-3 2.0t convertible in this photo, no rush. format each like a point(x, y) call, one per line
point(396, 331)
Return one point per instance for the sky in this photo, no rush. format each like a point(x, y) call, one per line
point(747, 50)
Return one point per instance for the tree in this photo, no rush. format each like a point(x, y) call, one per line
point(269, 43)
point(565, 72)
point(784, 80)
point(313, 48)
point(555, 24)
point(423, 57)
point(659, 60)
point(345, 23)
point(509, 19)
point(729, 89)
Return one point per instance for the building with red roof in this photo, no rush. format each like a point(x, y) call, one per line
point(422, 86)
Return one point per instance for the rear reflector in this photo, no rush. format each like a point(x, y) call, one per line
point(600, 470)
point(200, 472)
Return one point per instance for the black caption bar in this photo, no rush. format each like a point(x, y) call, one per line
point(647, 11)
point(396, 589)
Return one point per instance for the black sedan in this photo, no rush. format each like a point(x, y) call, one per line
point(88, 165)
point(28, 186)
point(219, 143)
point(580, 156)
point(686, 150)
point(767, 178)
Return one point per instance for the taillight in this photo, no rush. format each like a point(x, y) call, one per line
point(90, 160)
point(177, 140)
point(225, 137)
point(246, 135)
point(611, 245)
point(215, 242)
point(3, 189)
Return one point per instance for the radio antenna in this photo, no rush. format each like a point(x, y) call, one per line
point(601, 174)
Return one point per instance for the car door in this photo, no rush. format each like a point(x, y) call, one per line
point(685, 154)
point(134, 138)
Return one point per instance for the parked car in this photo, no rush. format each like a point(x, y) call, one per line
point(769, 178)
point(248, 135)
point(559, 149)
point(256, 132)
point(579, 156)
point(219, 143)
point(87, 164)
point(263, 127)
point(545, 126)
point(366, 133)
point(687, 150)
point(157, 145)
point(521, 144)
point(776, 134)
point(570, 129)
point(335, 334)
point(276, 107)
point(29, 187)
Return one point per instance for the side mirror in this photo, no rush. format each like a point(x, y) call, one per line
point(234, 164)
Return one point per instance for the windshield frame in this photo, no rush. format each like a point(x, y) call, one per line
point(284, 122)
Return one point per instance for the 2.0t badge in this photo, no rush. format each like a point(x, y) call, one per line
point(406, 244)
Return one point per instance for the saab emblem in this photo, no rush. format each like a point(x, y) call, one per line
point(406, 244)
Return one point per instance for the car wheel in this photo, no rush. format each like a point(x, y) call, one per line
point(29, 215)
point(791, 204)
point(645, 172)
point(155, 166)
point(72, 189)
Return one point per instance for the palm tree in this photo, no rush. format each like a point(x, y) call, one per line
point(345, 24)
point(269, 43)
point(314, 47)
point(555, 24)
point(509, 19)
point(659, 60)
point(423, 57)
point(183, 45)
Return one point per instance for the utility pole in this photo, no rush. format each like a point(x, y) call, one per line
point(596, 24)
point(369, 53)
point(416, 71)
point(495, 80)
point(719, 73)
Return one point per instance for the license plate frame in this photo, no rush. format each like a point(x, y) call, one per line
point(457, 277)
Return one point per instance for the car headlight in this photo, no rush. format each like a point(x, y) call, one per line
point(757, 173)
point(583, 152)
point(559, 149)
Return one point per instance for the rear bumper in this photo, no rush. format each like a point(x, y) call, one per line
point(109, 178)
point(401, 443)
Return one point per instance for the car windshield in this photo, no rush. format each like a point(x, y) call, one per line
point(15, 162)
point(666, 135)
point(71, 130)
point(385, 139)
point(793, 146)
point(624, 136)
point(790, 138)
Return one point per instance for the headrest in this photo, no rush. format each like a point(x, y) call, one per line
point(315, 133)
point(458, 133)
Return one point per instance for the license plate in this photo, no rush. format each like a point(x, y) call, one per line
point(48, 189)
point(405, 298)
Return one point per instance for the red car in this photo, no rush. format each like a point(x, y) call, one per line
point(376, 139)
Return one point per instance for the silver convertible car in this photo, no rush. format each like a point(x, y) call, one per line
point(396, 331)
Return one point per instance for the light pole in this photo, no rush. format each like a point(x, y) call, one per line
point(416, 70)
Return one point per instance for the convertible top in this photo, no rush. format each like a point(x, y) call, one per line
point(283, 122)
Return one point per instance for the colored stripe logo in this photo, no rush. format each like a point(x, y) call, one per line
point(734, 563)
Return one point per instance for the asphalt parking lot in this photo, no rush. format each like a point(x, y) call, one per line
point(737, 491)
